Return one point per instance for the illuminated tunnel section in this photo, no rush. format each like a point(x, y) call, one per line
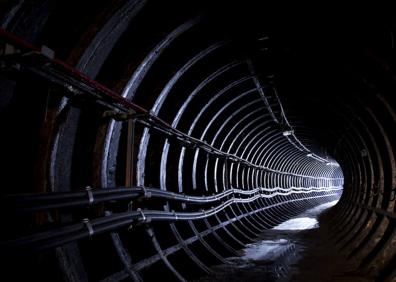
point(231, 145)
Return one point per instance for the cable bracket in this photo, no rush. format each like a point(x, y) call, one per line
point(88, 189)
point(144, 218)
point(88, 225)
point(145, 194)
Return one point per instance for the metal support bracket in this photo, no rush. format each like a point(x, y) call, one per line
point(90, 194)
point(144, 218)
point(88, 225)
point(119, 115)
point(145, 194)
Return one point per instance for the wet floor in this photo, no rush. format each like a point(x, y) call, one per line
point(296, 250)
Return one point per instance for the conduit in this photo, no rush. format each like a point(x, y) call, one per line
point(166, 147)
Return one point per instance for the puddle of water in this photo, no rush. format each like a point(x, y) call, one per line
point(300, 223)
point(274, 256)
point(307, 220)
point(269, 249)
point(274, 243)
point(265, 250)
point(321, 208)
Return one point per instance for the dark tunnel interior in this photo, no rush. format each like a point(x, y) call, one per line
point(146, 140)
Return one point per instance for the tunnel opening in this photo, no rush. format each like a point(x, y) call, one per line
point(162, 138)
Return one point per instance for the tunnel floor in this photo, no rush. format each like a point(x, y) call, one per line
point(299, 249)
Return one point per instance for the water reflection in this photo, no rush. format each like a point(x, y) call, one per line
point(300, 223)
point(274, 256)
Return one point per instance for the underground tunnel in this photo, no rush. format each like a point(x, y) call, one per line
point(146, 140)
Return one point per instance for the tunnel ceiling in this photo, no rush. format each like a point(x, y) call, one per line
point(164, 136)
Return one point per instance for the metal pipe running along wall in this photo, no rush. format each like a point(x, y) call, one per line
point(205, 140)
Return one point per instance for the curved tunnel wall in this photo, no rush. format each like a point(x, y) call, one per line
point(249, 170)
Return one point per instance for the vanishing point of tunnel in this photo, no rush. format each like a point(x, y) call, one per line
point(172, 140)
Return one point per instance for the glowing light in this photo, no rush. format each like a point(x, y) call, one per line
point(287, 132)
point(332, 164)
